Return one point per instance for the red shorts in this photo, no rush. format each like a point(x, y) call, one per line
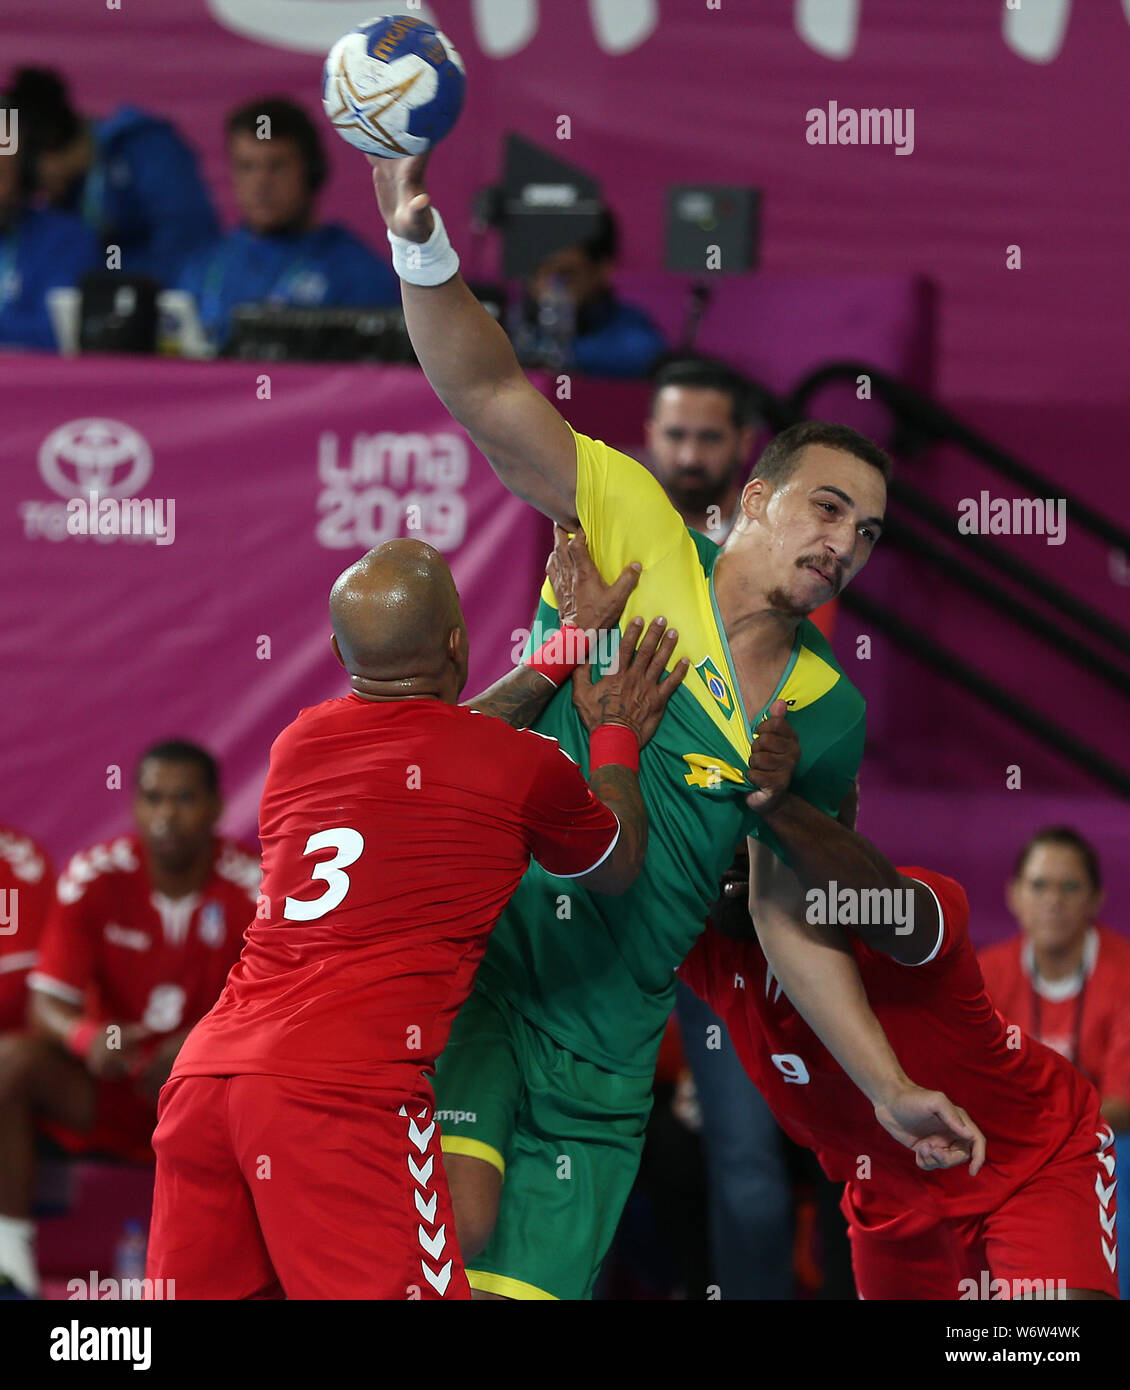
point(1056, 1232)
point(272, 1187)
point(123, 1124)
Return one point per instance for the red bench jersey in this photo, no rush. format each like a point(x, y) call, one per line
point(946, 1033)
point(129, 955)
point(26, 889)
point(393, 833)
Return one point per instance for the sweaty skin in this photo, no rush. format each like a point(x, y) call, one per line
point(398, 627)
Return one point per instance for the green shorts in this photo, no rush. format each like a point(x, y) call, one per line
point(565, 1134)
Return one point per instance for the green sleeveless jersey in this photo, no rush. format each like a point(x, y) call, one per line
point(596, 972)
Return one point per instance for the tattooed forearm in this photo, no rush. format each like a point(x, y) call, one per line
point(619, 788)
point(517, 699)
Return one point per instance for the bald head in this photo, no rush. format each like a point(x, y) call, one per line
point(393, 615)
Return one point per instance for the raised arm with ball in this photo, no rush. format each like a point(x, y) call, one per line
point(468, 358)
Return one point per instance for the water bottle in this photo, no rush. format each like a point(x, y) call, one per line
point(129, 1255)
point(557, 323)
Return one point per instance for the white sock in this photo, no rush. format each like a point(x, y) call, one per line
point(17, 1253)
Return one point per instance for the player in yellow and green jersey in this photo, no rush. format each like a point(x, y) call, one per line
point(544, 1090)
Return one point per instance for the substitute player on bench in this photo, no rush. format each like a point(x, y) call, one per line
point(297, 1150)
point(552, 1058)
point(137, 945)
point(1037, 1219)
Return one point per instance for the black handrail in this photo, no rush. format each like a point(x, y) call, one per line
point(939, 424)
point(1024, 574)
point(947, 663)
point(896, 532)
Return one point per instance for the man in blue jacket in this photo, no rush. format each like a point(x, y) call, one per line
point(279, 254)
point(610, 337)
point(130, 177)
point(40, 250)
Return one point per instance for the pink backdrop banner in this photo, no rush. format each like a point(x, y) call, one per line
point(214, 626)
point(1018, 131)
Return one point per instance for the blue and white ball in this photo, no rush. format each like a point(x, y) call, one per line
point(393, 86)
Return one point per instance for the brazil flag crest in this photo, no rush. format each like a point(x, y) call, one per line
point(716, 685)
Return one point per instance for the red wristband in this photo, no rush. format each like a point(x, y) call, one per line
point(561, 653)
point(81, 1036)
point(614, 743)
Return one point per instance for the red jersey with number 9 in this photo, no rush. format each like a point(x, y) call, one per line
point(946, 1033)
point(393, 835)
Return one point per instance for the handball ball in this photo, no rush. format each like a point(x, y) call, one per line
point(393, 86)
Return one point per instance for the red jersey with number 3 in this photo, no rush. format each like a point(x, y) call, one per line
point(946, 1033)
point(393, 834)
point(126, 953)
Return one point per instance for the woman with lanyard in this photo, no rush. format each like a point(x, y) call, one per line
point(1065, 979)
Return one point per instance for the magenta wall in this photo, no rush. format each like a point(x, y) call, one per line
point(1019, 138)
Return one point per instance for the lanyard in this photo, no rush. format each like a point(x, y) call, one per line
point(1037, 1002)
point(9, 278)
point(94, 196)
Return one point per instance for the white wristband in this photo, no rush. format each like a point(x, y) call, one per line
point(430, 262)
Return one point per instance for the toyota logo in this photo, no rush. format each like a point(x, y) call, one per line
point(102, 456)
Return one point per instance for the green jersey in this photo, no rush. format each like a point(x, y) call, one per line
point(596, 972)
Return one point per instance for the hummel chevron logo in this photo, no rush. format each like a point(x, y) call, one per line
point(1107, 1223)
point(1107, 1160)
point(433, 1244)
point(1105, 1137)
point(1109, 1255)
point(1104, 1193)
point(427, 1209)
point(439, 1281)
point(420, 1137)
point(423, 1174)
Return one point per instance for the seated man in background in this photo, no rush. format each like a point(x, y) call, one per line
point(1065, 979)
point(27, 885)
point(136, 948)
point(279, 254)
point(40, 250)
point(572, 317)
point(130, 177)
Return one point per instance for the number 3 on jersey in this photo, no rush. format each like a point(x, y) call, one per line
point(350, 845)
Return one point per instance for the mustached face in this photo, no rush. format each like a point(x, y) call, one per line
point(809, 536)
